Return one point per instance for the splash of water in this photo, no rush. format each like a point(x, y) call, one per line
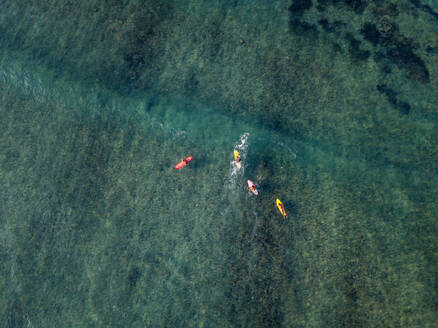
point(235, 172)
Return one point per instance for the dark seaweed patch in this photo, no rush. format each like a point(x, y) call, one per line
point(396, 48)
point(214, 38)
point(300, 27)
point(337, 48)
point(298, 7)
point(133, 276)
point(404, 57)
point(403, 107)
point(330, 27)
point(392, 10)
point(191, 84)
point(371, 34)
point(325, 25)
point(391, 95)
point(296, 24)
point(379, 56)
point(350, 318)
point(386, 69)
point(143, 39)
point(357, 53)
point(425, 8)
point(357, 6)
point(432, 50)
point(354, 49)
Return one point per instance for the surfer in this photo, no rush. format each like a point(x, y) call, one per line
point(280, 207)
point(252, 187)
point(183, 163)
point(237, 159)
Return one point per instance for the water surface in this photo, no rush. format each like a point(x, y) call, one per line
point(332, 105)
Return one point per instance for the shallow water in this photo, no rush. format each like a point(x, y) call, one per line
point(332, 105)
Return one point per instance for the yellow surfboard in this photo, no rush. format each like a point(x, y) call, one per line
point(281, 207)
point(236, 154)
point(237, 159)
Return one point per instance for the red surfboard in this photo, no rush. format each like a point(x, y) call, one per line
point(183, 163)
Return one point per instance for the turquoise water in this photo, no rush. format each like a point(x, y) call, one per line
point(332, 105)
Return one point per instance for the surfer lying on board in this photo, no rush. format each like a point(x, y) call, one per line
point(280, 207)
point(183, 163)
point(237, 159)
point(252, 187)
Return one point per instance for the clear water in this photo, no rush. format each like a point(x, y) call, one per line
point(332, 105)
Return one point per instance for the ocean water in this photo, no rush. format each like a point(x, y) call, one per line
point(332, 105)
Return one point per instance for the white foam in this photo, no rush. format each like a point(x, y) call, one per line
point(235, 172)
